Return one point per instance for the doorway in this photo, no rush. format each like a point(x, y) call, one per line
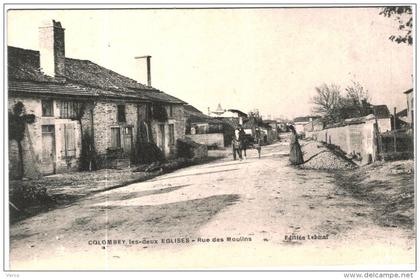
point(48, 150)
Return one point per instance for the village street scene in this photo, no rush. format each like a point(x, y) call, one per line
point(248, 141)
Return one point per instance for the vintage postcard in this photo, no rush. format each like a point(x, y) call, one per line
point(216, 137)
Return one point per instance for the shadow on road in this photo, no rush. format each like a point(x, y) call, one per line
point(192, 174)
point(171, 219)
point(138, 194)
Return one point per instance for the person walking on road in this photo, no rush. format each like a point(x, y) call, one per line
point(243, 141)
point(236, 145)
point(257, 142)
point(295, 156)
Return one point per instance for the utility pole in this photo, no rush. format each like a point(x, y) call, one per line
point(395, 129)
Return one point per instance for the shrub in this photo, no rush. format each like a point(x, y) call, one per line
point(88, 156)
point(23, 196)
point(146, 153)
point(187, 148)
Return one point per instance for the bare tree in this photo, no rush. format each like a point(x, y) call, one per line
point(255, 119)
point(357, 93)
point(334, 107)
point(328, 101)
point(357, 100)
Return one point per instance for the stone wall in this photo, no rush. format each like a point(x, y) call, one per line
point(356, 139)
point(178, 120)
point(104, 117)
point(208, 139)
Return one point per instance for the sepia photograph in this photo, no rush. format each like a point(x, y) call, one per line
point(263, 137)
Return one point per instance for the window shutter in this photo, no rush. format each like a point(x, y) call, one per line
point(62, 137)
point(70, 139)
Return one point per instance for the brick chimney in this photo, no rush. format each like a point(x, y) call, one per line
point(148, 65)
point(51, 49)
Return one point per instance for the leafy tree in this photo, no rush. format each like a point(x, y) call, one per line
point(18, 120)
point(404, 16)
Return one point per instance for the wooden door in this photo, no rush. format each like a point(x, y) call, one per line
point(48, 149)
point(128, 139)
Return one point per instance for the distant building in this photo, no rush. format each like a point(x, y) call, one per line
point(410, 106)
point(300, 122)
point(207, 130)
point(218, 111)
point(315, 125)
point(271, 128)
point(233, 116)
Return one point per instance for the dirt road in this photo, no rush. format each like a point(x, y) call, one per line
point(251, 213)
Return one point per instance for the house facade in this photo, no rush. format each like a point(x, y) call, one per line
point(71, 98)
point(410, 106)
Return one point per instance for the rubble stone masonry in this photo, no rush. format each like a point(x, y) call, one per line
point(104, 116)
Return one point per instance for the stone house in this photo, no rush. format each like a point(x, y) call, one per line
point(117, 111)
point(410, 106)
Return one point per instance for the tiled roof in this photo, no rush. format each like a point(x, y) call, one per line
point(381, 111)
point(304, 118)
point(65, 89)
point(194, 115)
point(191, 109)
point(46, 88)
point(24, 66)
point(240, 113)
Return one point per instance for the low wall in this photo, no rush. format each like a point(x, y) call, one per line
point(356, 139)
point(208, 139)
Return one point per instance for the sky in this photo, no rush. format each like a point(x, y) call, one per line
point(266, 59)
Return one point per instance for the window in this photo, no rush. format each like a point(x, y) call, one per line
point(148, 112)
point(116, 137)
point(121, 113)
point(171, 134)
point(68, 109)
point(47, 129)
point(171, 111)
point(47, 108)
